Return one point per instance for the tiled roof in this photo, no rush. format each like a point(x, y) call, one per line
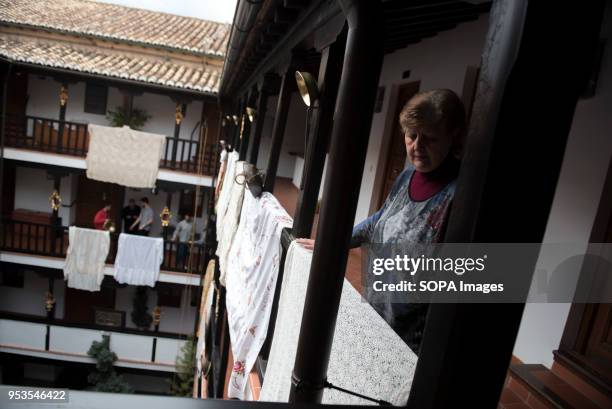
point(111, 63)
point(113, 22)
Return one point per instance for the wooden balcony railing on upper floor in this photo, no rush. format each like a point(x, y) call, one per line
point(52, 241)
point(72, 138)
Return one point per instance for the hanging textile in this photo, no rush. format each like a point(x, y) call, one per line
point(138, 259)
point(230, 221)
point(208, 292)
point(224, 194)
point(251, 280)
point(124, 156)
point(86, 257)
point(367, 356)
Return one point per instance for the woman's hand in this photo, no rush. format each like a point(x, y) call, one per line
point(308, 244)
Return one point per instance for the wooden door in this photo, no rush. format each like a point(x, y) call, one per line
point(396, 154)
point(586, 344)
point(91, 196)
point(80, 305)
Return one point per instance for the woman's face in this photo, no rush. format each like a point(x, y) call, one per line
point(427, 146)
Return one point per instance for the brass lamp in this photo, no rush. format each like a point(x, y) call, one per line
point(63, 96)
point(307, 87)
point(55, 200)
point(49, 301)
point(251, 113)
point(165, 217)
point(178, 114)
point(157, 315)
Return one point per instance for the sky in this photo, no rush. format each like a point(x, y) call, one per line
point(216, 10)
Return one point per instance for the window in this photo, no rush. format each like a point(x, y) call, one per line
point(96, 96)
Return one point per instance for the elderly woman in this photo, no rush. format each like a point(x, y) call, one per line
point(416, 210)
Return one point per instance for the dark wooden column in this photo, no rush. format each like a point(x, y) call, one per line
point(169, 206)
point(55, 222)
point(63, 100)
point(245, 131)
point(269, 86)
point(179, 113)
point(466, 348)
point(63, 103)
point(278, 129)
point(330, 71)
point(51, 312)
point(128, 106)
point(356, 96)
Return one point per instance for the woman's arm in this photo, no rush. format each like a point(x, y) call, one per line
point(362, 233)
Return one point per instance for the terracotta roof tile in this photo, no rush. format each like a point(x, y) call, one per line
point(103, 61)
point(119, 23)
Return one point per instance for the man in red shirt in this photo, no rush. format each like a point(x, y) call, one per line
point(101, 217)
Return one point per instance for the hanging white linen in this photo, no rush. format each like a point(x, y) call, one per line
point(226, 187)
point(138, 259)
point(86, 257)
point(251, 281)
point(124, 156)
point(367, 356)
point(208, 291)
point(230, 221)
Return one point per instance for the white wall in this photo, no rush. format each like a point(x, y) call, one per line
point(177, 320)
point(587, 155)
point(33, 188)
point(43, 101)
point(437, 62)
point(293, 140)
point(30, 298)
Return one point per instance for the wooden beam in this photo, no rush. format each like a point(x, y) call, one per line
point(330, 71)
point(280, 121)
point(466, 348)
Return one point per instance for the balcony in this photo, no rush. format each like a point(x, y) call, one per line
point(72, 139)
point(56, 339)
point(46, 240)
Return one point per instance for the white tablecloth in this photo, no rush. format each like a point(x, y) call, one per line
point(253, 264)
point(226, 187)
point(85, 258)
point(138, 259)
point(367, 356)
point(230, 220)
point(124, 156)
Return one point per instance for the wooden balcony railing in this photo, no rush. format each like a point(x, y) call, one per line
point(72, 138)
point(48, 240)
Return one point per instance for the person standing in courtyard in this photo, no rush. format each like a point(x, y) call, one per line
point(129, 214)
point(142, 225)
point(182, 236)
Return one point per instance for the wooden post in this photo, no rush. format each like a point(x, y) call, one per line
point(63, 99)
point(467, 348)
point(55, 229)
point(314, 158)
point(280, 121)
point(270, 82)
point(351, 128)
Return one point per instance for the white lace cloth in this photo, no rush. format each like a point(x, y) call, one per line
point(124, 156)
point(251, 281)
point(230, 221)
point(367, 356)
point(138, 259)
point(226, 186)
point(85, 258)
